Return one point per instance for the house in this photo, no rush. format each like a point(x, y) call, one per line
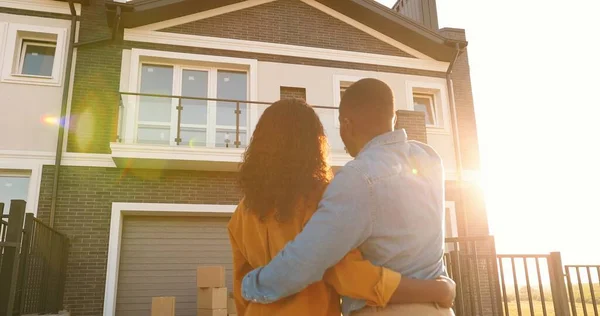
point(140, 172)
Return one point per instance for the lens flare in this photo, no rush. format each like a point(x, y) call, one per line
point(415, 171)
point(51, 120)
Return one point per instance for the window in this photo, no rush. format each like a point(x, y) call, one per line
point(340, 84)
point(203, 123)
point(425, 103)
point(34, 54)
point(36, 58)
point(430, 97)
point(14, 185)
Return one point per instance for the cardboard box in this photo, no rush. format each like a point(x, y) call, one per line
point(232, 314)
point(210, 276)
point(211, 312)
point(163, 306)
point(212, 298)
point(231, 306)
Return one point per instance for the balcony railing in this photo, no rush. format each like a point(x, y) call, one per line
point(156, 119)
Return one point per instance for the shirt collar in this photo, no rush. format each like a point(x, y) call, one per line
point(397, 136)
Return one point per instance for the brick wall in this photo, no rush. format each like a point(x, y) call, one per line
point(470, 208)
point(288, 22)
point(292, 93)
point(465, 111)
point(414, 124)
point(84, 207)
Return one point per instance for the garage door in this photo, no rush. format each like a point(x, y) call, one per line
point(159, 256)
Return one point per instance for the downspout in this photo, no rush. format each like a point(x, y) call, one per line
point(63, 112)
point(65, 98)
point(455, 136)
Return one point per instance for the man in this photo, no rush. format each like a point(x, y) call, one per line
point(388, 202)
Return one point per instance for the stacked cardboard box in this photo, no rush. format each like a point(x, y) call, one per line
point(212, 293)
point(231, 310)
point(163, 306)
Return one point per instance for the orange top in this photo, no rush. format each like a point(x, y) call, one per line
point(255, 243)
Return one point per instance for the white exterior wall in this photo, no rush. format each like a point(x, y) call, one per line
point(23, 106)
point(319, 84)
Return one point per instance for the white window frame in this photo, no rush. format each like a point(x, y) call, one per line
point(193, 62)
point(433, 109)
point(24, 168)
point(11, 71)
point(340, 81)
point(33, 42)
point(439, 91)
point(211, 126)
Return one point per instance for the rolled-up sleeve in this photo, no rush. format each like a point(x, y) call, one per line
point(342, 222)
point(358, 278)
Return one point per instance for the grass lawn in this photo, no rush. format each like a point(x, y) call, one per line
point(537, 308)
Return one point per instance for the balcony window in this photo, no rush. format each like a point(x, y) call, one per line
point(425, 103)
point(206, 123)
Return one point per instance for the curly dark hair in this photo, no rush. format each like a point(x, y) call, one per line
point(286, 161)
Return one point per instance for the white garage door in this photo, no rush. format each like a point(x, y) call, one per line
point(159, 256)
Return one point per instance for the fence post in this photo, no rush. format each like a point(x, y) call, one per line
point(9, 271)
point(496, 278)
point(557, 284)
point(23, 267)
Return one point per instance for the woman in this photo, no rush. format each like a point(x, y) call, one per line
point(283, 177)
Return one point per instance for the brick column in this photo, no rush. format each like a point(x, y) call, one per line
point(414, 124)
point(292, 93)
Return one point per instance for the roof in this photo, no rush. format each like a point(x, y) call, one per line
point(368, 12)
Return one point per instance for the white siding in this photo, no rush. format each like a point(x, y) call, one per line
point(23, 107)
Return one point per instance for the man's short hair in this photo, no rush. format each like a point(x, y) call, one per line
point(370, 98)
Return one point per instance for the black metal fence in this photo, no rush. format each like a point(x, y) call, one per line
point(33, 262)
point(518, 284)
point(471, 263)
point(587, 278)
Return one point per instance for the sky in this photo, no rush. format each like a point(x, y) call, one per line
point(534, 70)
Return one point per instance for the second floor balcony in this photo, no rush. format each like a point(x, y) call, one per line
point(190, 132)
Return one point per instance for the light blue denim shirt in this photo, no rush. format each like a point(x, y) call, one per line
point(388, 202)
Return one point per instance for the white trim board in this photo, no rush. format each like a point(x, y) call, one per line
point(41, 6)
point(116, 226)
point(282, 49)
point(47, 158)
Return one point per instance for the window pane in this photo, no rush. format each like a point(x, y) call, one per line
point(425, 104)
point(193, 138)
point(156, 80)
point(194, 84)
point(222, 135)
point(233, 86)
point(38, 60)
point(154, 135)
point(13, 188)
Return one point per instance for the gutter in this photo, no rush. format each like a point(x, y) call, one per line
point(63, 112)
point(454, 121)
point(65, 96)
